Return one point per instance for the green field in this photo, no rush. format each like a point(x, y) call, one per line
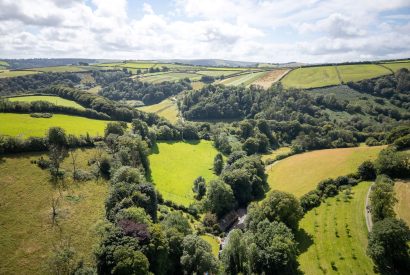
point(213, 241)
point(53, 99)
point(169, 77)
point(397, 65)
point(175, 166)
point(402, 207)
point(244, 79)
point(166, 108)
point(301, 173)
point(59, 69)
point(311, 77)
point(333, 237)
point(217, 73)
point(361, 71)
point(7, 73)
point(275, 153)
point(27, 235)
point(24, 125)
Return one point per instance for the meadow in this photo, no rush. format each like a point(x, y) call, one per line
point(361, 71)
point(25, 126)
point(301, 173)
point(8, 73)
point(311, 77)
point(158, 78)
point(333, 236)
point(243, 79)
point(27, 235)
point(275, 153)
point(402, 207)
point(397, 65)
point(52, 99)
point(175, 166)
point(166, 108)
point(215, 73)
point(270, 77)
point(60, 69)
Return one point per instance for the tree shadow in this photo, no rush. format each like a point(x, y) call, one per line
point(304, 240)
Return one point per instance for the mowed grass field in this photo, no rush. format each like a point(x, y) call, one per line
point(361, 71)
point(27, 235)
point(26, 126)
point(175, 166)
point(301, 173)
point(402, 207)
point(166, 108)
point(52, 99)
point(311, 77)
point(333, 236)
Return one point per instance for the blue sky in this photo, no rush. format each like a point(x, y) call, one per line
point(249, 30)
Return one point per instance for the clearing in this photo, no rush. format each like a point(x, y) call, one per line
point(26, 126)
point(333, 236)
point(27, 235)
point(52, 99)
point(270, 77)
point(175, 166)
point(301, 173)
point(167, 108)
point(311, 77)
point(213, 241)
point(402, 207)
point(361, 71)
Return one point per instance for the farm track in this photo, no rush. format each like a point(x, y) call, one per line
point(367, 213)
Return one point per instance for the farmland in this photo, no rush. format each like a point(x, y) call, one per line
point(311, 77)
point(60, 69)
point(244, 79)
point(315, 166)
point(27, 235)
point(397, 65)
point(361, 71)
point(166, 108)
point(24, 125)
point(269, 78)
point(162, 77)
point(402, 207)
point(52, 99)
point(8, 73)
point(334, 236)
point(169, 162)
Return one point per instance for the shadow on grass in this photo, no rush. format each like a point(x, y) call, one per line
point(304, 239)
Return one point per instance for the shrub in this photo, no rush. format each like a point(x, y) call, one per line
point(41, 115)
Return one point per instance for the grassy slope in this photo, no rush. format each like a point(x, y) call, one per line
point(338, 234)
point(166, 108)
point(245, 79)
point(360, 72)
point(7, 73)
point(60, 69)
point(169, 77)
point(53, 99)
point(275, 153)
point(311, 77)
point(402, 207)
point(176, 165)
point(23, 124)
point(301, 173)
point(213, 242)
point(397, 65)
point(217, 73)
point(26, 235)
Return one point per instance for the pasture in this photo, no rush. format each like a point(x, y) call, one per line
point(52, 99)
point(361, 71)
point(60, 69)
point(270, 77)
point(301, 173)
point(217, 73)
point(311, 77)
point(8, 73)
point(243, 79)
point(402, 207)
point(26, 126)
point(166, 108)
point(175, 166)
point(27, 234)
point(395, 66)
point(162, 77)
point(333, 236)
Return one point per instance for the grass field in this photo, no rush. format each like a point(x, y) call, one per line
point(275, 153)
point(213, 241)
point(402, 207)
point(338, 236)
point(7, 73)
point(269, 78)
point(27, 235)
point(169, 77)
point(166, 108)
point(361, 71)
point(397, 65)
point(59, 69)
point(175, 166)
point(53, 99)
point(24, 125)
point(217, 73)
point(301, 173)
point(245, 79)
point(311, 77)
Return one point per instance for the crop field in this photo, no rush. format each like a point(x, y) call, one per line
point(311, 77)
point(25, 126)
point(361, 71)
point(269, 78)
point(213, 241)
point(8, 73)
point(402, 207)
point(166, 108)
point(397, 65)
point(27, 235)
point(217, 73)
point(169, 163)
point(244, 79)
point(333, 236)
point(301, 173)
point(52, 99)
point(170, 77)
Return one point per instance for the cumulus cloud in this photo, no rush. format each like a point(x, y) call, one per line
point(269, 31)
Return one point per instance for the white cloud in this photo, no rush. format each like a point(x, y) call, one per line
point(270, 31)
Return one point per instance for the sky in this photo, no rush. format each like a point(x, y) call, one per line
point(275, 31)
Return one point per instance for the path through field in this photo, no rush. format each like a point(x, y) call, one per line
point(367, 213)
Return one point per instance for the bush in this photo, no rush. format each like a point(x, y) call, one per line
point(367, 171)
point(41, 115)
point(81, 175)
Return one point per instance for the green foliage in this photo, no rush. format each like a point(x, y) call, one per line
point(177, 221)
point(199, 187)
point(219, 198)
point(56, 136)
point(393, 164)
point(234, 255)
point(382, 200)
point(218, 164)
point(367, 171)
point(115, 128)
